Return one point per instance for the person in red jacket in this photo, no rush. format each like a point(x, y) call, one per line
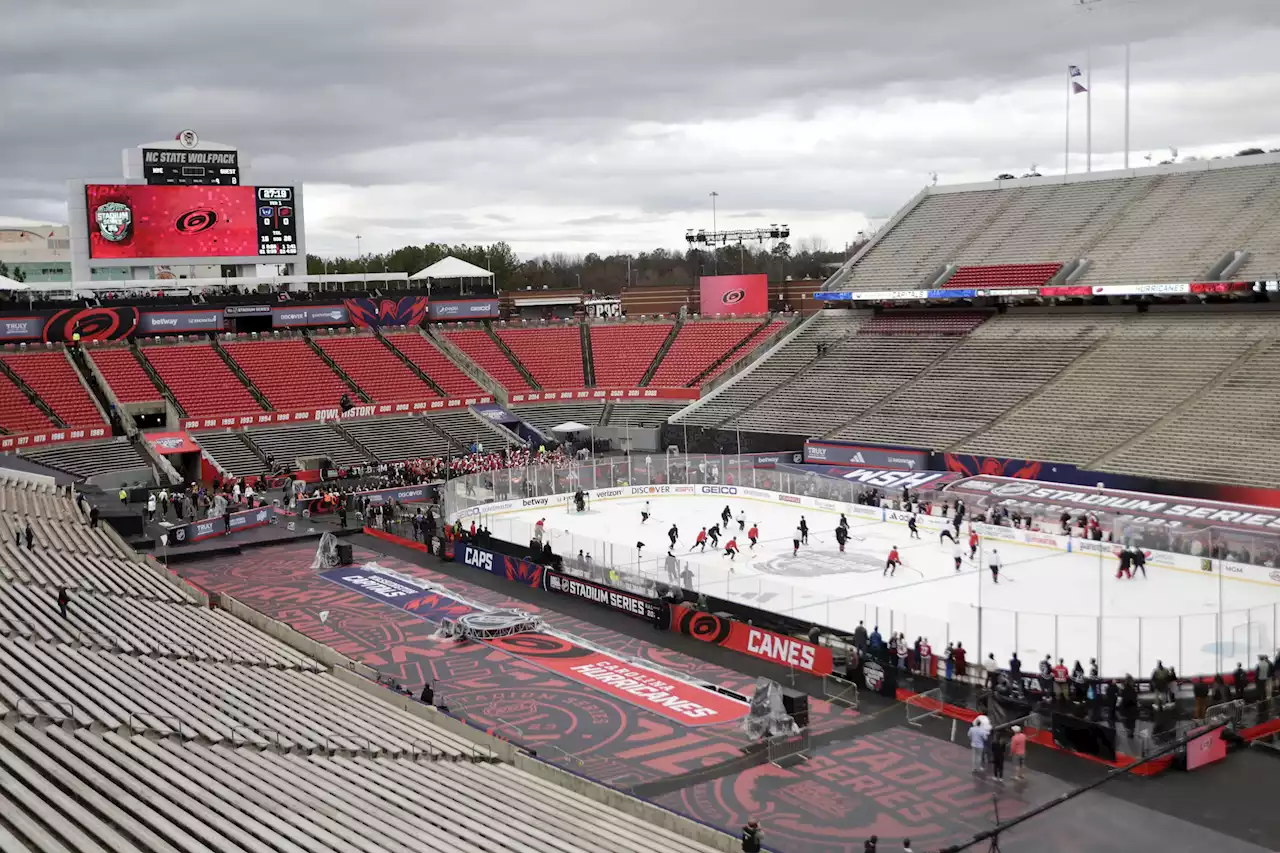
point(973, 543)
point(731, 548)
point(753, 534)
point(891, 565)
point(1060, 678)
point(701, 541)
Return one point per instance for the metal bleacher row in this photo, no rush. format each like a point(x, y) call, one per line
point(1110, 390)
point(145, 722)
point(1160, 224)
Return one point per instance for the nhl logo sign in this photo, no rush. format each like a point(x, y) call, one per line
point(169, 443)
point(873, 675)
point(114, 220)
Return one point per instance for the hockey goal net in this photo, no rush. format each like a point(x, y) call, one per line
point(571, 503)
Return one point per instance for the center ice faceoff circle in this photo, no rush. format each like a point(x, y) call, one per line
point(1048, 600)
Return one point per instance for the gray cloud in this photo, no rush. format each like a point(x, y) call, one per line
point(583, 120)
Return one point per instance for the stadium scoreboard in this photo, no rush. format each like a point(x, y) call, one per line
point(171, 167)
point(277, 221)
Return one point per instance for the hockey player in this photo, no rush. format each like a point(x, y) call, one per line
point(1139, 561)
point(844, 522)
point(540, 530)
point(580, 500)
point(946, 533)
point(714, 533)
point(1125, 559)
point(639, 548)
point(673, 534)
point(754, 535)
point(891, 565)
point(725, 515)
point(973, 543)
point(701, 541)
point(804, 530)
point(796, 539)
point(911, 525)
point(957, 553)
point(644, 513)
point(842, 536)
point(742, 520)
point(994, 562)
point(731, 548)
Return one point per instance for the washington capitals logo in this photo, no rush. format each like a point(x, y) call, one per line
point(406, 311)
point(1021, 469)
point(525, 571)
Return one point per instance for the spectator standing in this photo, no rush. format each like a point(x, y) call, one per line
point(1264, 677)
point(869, 846)
point(93, 516)
point(992, 670)
point(1241, 678)
point(961, 661)
point(30, 536)
point(63, 600)
point(997, 756)
point(977, 745)
point(1060, 679)
point(1018, 749)
point(751, 837)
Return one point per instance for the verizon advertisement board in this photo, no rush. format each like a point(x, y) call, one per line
point(749, 640)
point(733, 294)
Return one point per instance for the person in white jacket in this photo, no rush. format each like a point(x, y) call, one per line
point(994, 562)
point(978, 745)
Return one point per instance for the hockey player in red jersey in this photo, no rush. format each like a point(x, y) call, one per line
point(891, 565)
point(701, 541)
point(973, 543)
point(754, 535)
point(731, 548)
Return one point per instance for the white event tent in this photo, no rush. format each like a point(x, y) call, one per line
point(451, 268)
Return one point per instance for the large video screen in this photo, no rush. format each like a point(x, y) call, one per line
point(131, 221)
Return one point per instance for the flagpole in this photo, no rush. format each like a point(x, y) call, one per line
point(1066, 146)
point(1126, 98)
point(1088, 107)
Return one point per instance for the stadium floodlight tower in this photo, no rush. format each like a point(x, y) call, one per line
point(725, 238)
point(184, 208)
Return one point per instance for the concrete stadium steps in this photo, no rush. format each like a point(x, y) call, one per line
point(783, 365)
point(69, 536)
point(1149, 225)
point(106, 575)
point(93, 792)
point(230, 450)
point(399, 439)
point(1107, 407)
point(140, 627)
point(89, 458)
point(57, 382)
point(641, 414)
point(290, 443)
point(200, 380)
point(1201, 441)
point(464, 428)
point(27, 498)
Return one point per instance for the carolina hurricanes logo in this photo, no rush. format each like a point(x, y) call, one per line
point(733, 297)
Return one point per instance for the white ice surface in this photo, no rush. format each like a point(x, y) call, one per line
point(1046, 602)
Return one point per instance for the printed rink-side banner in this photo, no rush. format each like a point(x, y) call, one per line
point(749, 640)
point(677, 701)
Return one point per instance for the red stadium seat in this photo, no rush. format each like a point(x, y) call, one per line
point(289, 374)
point(696, 348)
point(52, 376)
point(1003, 275)
point(200, 380)
point(480, 348)
point(376, 369)
point(124, 375)
point(623, 352)
point(553, 356)
point(435, 364)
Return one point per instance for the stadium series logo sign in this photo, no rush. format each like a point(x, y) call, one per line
point(114, 220)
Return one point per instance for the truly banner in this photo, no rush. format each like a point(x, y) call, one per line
point(733, 294)
point(750, 640)
point(206, 528)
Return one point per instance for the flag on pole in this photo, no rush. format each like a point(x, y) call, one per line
point(1076, 88)
point(1073, 70)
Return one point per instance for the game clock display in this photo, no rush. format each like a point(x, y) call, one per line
point(128, 221)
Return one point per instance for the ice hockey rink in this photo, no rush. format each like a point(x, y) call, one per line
point(1047, 601)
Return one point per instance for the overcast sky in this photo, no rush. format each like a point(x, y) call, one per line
point(603, 125)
